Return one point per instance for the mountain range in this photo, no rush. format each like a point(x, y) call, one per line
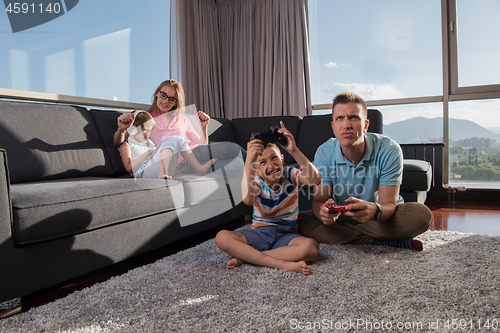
point(421, 129)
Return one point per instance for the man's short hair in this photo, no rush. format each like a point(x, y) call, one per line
point(348, 97)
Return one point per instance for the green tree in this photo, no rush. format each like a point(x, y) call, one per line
point(480, 172)
point(474, 151)
point(457, 150)
point(466, 171)
point(492, 158)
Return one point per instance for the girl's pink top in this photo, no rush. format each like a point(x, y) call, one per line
point(174, 128)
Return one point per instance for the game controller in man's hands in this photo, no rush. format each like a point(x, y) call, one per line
point(270, 136)
point(338, 208)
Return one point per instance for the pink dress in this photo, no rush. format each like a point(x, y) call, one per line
point(174, 128)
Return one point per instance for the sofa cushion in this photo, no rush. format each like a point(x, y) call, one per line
point(209, 195)
point(51, 209)
point(210, 188)
point(313, 132)
point(244, 127)
point(376, 121)
point(45, 141)
point(221, 130)
point(417, 175)
point(106, 123)
point(414, 196)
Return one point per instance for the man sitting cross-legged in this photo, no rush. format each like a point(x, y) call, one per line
point(365, 171)
point(271, 188)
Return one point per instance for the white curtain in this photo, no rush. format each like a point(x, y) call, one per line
point(242, 58)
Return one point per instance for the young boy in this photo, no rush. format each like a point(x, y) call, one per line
point(273, 240)
point(136, 151)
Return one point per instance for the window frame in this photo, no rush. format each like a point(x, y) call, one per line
point(451, 90)
point(50, 97)
point(457, 92)
point(35, 96)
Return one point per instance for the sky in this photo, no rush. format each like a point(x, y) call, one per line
point(383, 51)
point(111, 49)
point(393, 49)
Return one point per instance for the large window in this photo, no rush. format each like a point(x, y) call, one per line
point(474, 116)
point(431, 68)
point(380, 50)
point(478, 28)
point(474, 153)
point(111, 50)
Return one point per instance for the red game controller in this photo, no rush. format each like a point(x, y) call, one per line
point(338, 208)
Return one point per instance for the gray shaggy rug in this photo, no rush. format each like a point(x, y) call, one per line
point(451, 286)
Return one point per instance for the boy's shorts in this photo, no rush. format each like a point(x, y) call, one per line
point(269, 237)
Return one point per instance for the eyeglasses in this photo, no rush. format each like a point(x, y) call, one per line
point(165, 96)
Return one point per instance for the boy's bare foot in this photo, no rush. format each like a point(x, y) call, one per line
point(299, 267)
point(290, 266)
point(161, 176)
point(205, 167)
point(235, 262)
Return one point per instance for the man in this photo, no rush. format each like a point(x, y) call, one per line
point(364, 170)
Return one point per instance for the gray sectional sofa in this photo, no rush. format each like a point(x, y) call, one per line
point(68, 207)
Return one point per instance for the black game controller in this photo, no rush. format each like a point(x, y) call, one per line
point(272, 136)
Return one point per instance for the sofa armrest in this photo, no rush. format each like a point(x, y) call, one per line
point(5, 202)
point(430, 152)
point(8, 257)
point(417, 175)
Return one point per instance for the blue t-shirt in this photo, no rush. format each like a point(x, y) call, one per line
point(382, 164)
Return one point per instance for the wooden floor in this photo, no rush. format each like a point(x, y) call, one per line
point(481, 218)
point(475, 217)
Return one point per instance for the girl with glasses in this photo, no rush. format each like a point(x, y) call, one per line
point(168, 108)
point(142, 159)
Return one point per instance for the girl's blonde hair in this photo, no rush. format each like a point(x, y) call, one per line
point(181, 100)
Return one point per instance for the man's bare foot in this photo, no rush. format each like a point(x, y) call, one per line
point(162, 176)
point(235, 262)
point(299, 267)
point(205, 167)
